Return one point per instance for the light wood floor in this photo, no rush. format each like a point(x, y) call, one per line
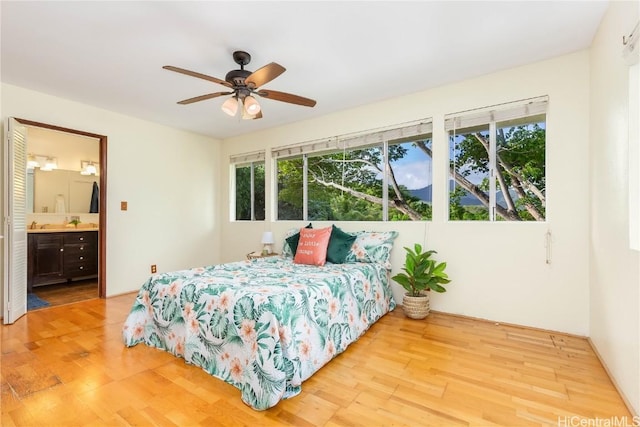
point(67, 366)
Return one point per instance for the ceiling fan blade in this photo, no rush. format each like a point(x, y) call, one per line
point(203, 97)
point(198, 75)
point(264, 75)
point(287, 97)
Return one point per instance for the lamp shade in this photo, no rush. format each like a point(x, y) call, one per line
point(251, 105)
point(49, 165)
point(230, 106)
point(267, 238)
point(88, 168)
point(32, 162)
point(247, 116)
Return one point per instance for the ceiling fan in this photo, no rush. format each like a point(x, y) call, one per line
point(243, 85)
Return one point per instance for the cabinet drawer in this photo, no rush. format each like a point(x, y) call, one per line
point(46, 239)
point(79, 249)
point(89, 257)
point(87, 237)
point(80, 269)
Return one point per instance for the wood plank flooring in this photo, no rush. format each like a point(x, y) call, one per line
point(66, 293)
point(67, 366)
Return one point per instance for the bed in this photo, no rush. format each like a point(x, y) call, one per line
point(263, 325)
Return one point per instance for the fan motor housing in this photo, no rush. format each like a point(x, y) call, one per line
point(237, 77)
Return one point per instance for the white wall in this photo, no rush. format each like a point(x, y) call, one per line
point(498, 269)
point(168, 177)
point(614, 268)
point(68, 149)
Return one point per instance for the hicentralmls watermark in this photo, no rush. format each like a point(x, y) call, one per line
point(576, 421)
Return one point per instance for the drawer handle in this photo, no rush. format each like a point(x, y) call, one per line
point(61, 249)
point(81, 257)
point(82, 238)
point(81, 267)
point(82, 248)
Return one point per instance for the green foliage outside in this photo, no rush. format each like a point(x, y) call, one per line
point(243, 192)
point(521, 175)
point(347, 186)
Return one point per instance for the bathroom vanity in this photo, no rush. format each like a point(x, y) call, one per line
point(59, 256)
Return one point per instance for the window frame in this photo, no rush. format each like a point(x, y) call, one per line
point(241, 161)
point(378, 138)
point(493, 117)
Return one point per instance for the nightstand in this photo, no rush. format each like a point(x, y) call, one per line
point(258, 255)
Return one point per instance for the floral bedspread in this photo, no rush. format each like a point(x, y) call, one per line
point(264, 325)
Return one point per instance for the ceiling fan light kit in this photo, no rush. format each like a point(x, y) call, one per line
point(243, 85)
point(247, 116)
point(230, 106)
point(251, 106)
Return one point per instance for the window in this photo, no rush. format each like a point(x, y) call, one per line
point(410, 179)
point(497, 163)
point(249, 185)
point(290, 197)
point(346, 186)
point(377, 176)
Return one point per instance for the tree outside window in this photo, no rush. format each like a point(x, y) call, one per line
point(349, 185)
point(290, 189)
point(250, 191)
point(497, 171)
point(496, 166)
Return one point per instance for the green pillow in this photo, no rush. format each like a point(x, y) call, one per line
point(294, 240)
point(339, 245)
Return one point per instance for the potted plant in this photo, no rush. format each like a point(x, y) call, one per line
point(421, 275)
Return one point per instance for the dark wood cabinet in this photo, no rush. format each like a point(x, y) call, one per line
point(61, 256)
point(45, 258)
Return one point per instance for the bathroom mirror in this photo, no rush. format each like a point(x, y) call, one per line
point(59, 191)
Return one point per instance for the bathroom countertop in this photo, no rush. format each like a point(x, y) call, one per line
point(60, 230)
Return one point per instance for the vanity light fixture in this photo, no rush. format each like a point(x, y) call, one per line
point(32, 162)
point(88, 168)
point(50, 164)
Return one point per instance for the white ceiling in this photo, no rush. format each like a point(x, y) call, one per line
point(342, 54)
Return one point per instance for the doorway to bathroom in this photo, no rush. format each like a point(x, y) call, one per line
point(65, 191)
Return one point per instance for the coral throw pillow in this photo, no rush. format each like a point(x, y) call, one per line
point(312, 247)
point(293, 241)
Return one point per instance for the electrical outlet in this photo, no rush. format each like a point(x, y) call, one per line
point(123, 206)
point(154, 269)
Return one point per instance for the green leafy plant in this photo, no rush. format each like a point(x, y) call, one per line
point(421, 272)
point(75, 222)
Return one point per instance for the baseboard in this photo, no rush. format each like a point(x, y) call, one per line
point(514, 325)
point(613, 380)
point(121, 294)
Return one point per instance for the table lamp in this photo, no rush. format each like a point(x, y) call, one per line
point(267, 241)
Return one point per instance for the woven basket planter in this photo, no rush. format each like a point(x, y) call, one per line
point(416, 307)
